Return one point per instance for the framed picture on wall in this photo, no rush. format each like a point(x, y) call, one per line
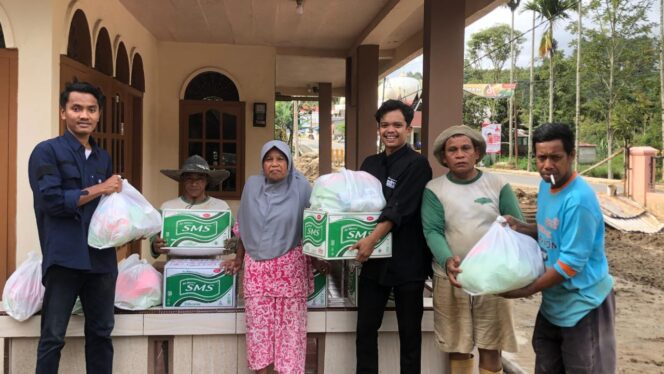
point(260, 114)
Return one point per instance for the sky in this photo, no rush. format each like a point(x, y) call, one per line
point(523, 23)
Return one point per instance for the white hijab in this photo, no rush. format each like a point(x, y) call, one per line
point(270, 215)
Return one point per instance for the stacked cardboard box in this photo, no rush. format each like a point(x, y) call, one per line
point(197, 283)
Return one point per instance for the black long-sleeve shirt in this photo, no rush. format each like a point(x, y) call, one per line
point(403, 175)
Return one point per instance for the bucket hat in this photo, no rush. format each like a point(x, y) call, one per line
point(197, 165)
point(473, 134)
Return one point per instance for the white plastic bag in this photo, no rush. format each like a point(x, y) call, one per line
point(502, 260)
point(122, 217)
point(24, 293)
point(138, 286)
point(347, 191)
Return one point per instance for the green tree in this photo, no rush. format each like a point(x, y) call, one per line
point(577, 92)
point(493, 45)
point(621, 29)
point(551, 11)
point(283, 121)
point(513, 5)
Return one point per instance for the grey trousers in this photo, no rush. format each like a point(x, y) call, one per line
point(589, 347)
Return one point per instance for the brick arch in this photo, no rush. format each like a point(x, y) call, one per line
point(104, 53)
point(6, 34)
point(211, 84)
point(137, 73)
point(79, 45)
point(122, 64)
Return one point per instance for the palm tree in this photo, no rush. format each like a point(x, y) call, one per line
point(577, 116)
point(550, 10)
point(512, 4)
point(531, 95)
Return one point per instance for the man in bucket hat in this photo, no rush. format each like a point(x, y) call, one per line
point(457, 210)
point(195, 176)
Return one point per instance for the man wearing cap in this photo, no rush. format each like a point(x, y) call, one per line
point(195, 176)
point(403, 174)
point(457, 210)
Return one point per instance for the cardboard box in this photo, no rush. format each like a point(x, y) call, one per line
point(329, 236)
point(351, 280)
point(352, 271)
point(318, 297)
point(195, 228)
point(192, 283)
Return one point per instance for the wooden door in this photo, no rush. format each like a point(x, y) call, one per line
point(8, 107)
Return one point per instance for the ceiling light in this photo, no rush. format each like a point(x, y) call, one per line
point(299, 9)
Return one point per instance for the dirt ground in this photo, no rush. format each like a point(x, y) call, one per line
point(637, 263)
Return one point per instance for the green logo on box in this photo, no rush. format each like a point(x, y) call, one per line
point(194, 228)
point(183, 287)
point(314, 230)
point(349, 231)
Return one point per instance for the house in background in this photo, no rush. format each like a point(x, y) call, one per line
point(183, 77)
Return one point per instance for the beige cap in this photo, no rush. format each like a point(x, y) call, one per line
point(474, 135)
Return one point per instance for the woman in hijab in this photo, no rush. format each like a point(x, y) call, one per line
point(277, 275)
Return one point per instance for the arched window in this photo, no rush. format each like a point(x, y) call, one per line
point(104, 53)
point(79, 46)
point(122, 64)
point(211, 85)
point(2, 38)
point(212, 126)
point(137, 74)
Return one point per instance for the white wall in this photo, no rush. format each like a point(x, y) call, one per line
point(40, 31)
point(252, 68)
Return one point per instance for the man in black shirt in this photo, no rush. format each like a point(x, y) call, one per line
point(403, 174)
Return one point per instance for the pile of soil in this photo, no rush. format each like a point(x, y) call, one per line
point(637, 257)
point(307, 164)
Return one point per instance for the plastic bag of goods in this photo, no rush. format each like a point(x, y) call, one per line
point(347, 191)
point(138, 286)
point(122, 217)
point(24, 293)
point(502, 260)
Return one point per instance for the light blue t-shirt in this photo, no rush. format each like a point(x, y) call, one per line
point(570, 231)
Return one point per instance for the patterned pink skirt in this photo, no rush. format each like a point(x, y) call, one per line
point(275, 293)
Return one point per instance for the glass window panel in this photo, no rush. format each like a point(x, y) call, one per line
point(229, 122)
point(229, 155)
point(212, 153)
point(195, 148)
point(212, 125)
point(229, 184)
point(196, 126)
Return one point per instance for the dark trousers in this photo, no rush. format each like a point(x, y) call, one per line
point(589, 347)
point(372, 298)
point(97, 293)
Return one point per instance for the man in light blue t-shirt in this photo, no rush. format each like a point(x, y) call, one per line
point(574, 331)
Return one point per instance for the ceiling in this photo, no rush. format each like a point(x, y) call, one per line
point(311, 47)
